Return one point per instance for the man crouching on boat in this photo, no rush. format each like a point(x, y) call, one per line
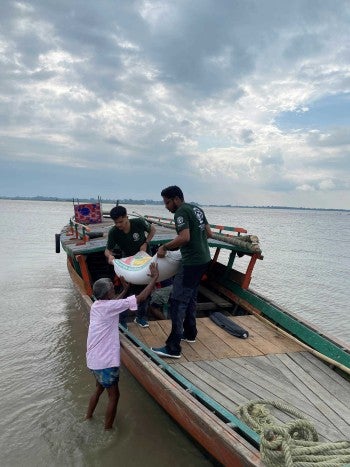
point(130, 236)
point(103, 345)
point(193, 231)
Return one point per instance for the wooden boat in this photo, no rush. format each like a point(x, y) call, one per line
point(285, 359)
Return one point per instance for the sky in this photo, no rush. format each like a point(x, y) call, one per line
point(241, 102)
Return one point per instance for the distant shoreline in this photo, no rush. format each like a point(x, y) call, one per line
point(151, 202)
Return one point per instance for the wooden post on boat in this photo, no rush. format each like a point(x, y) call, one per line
point(248, 273)
point(85, 235)
point(216, 255)
point(70, 231)
point(85, 273)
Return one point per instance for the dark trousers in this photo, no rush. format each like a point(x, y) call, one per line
point(141, 308)
point(183, 306)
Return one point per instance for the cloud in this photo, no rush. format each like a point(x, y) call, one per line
point(238, 101)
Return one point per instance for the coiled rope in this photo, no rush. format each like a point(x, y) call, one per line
point(294, 444)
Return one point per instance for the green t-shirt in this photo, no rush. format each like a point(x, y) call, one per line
point(196, 251)
point(130, 242)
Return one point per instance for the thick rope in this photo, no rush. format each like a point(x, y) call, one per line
point(294, 444)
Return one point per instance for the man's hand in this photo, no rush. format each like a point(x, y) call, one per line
point(110, 259)
point(161, 252)
point(153, 269)
point(143, 247)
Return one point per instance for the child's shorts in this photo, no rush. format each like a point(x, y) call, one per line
point(107, 377)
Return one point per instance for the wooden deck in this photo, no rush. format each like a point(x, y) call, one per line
point(266, 366)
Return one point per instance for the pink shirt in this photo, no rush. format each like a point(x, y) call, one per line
point(103, 346)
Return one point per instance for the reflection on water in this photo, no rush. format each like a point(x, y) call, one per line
point(46, 385)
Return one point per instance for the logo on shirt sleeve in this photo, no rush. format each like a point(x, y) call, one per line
point(180, 221)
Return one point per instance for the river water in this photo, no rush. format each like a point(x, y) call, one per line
point(45, 383)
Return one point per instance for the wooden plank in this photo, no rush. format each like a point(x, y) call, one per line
point(219, 383)
point(228, 379)
point(283, 343)
point(229, 386)
point(218, 347)
point(280, 387)
point(145, 335)
point(311, 389)
point(191, 352)
point(159, 332)
point(261, 342)
point(327, 370)
point(165, 327)
point(264, 393)
point(249, 388)
point(227, 397)
point(323, 392)
point(265, 365)
point(242, 347)
point(328, 379)
point(294, 396)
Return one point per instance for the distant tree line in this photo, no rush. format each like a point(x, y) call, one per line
point(151, 201)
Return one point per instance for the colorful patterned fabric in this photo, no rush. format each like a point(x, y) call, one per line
point(88, 213)
point(107, 377)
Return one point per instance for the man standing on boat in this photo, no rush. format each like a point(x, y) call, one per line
point(193, 231)
point(130, 236)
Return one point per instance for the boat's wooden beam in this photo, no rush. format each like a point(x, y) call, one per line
point(249, 271)
point(213, 297)
point(206, 306)
point(216, 255)
point(85, 273)
point(79, 285)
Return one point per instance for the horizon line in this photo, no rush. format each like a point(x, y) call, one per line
point(147, 201)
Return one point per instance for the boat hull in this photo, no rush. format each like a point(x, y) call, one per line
point(203, 391)
point(213, 434)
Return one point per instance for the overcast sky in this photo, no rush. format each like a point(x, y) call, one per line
point(236, 101)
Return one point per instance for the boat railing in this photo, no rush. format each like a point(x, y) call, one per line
point(165, 221)
point(79, 231)
point(159, 219)
point(224, 237)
